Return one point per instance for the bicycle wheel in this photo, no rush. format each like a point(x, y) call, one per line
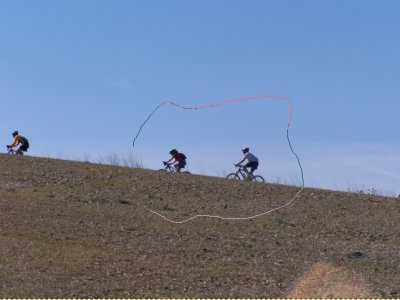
point(258, 178)
point(233, 176)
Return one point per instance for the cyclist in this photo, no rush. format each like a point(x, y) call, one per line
point(180, 159)
point(19, 139)
point(252, 162)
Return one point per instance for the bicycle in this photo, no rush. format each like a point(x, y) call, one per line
point(170, 168)
point(11, 151)
point(242, 173)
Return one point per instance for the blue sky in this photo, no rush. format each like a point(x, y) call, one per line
point(79, 77)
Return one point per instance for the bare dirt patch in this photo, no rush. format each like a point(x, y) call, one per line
point(325, 280)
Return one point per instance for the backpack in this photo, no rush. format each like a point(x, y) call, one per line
point(24, 140)
point(183, 156)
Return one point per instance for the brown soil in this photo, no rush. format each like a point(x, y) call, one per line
point(72, 229)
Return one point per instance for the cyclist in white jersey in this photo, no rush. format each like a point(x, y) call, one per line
point(252, 162)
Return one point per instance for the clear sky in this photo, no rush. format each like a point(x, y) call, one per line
point(77, 78)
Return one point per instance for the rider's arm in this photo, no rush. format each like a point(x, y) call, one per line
point(16, 142)
point(170, 159)
point(241, 161)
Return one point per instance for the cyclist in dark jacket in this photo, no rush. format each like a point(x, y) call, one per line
point(180, 159)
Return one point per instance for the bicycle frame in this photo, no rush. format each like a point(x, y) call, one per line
point(241, 172)
point(169, 167)
point(11, 151)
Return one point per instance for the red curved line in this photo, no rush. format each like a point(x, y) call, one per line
point(235, 101)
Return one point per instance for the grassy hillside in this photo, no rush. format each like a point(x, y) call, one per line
point(71, 229)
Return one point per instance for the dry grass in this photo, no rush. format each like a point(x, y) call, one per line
point(84, 230)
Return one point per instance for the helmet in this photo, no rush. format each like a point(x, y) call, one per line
point(173, 151)
point(245, 150)
point(15, 133)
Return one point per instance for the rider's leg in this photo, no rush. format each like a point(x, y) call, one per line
point(19, 152)
point(23, 148)
point(254, 167)
point(246, 171)
point(177, 167)
point(250, 174)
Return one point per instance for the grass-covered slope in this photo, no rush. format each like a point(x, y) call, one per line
point(72, 229)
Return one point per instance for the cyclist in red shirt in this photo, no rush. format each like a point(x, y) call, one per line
point(180, 160)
